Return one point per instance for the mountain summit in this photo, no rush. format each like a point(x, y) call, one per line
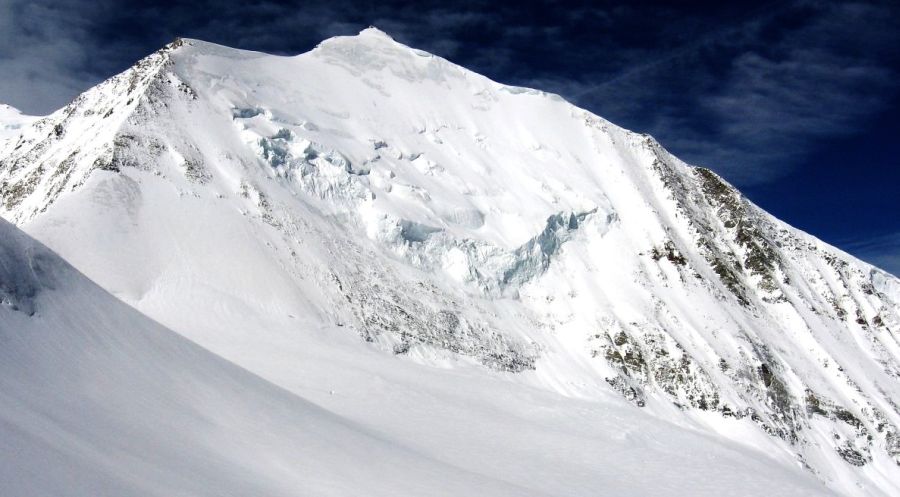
point(382, 232)
point(12, 121)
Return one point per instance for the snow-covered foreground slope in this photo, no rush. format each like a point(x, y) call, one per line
point(284, 211)
point(100, 400)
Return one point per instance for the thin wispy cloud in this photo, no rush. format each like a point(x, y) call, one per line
point(42, 55)
point(882, 251)
point(751, 99)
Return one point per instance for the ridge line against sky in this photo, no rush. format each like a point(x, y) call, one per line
point(793, 102)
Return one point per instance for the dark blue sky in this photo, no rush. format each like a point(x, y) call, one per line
point(797, 103)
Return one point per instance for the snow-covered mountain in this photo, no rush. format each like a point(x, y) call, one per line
point(98, 399)
point(12, 121)
point(484, 274)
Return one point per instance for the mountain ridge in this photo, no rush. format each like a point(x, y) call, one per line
point(467, 221)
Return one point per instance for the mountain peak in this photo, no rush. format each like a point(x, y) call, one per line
point(376, 190)
point(372, 31)
point(7, 110)
point(12, 120)
point(369, 38)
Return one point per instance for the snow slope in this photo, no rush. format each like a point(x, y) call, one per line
point(100, 400)
point(368, 200)
point(12, 121)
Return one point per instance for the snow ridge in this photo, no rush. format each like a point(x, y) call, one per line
point(448, 220)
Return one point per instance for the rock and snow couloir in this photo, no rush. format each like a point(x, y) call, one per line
point(263, 206)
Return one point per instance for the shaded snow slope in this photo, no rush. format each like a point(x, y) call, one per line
point(100, 400)
point(261, 205)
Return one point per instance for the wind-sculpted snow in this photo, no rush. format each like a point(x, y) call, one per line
point(449, 221)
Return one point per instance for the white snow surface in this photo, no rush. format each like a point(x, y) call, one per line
point(12, 121)
point(405, 277)
point(98, 399)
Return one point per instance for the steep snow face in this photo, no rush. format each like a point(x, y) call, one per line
point(379, 191)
